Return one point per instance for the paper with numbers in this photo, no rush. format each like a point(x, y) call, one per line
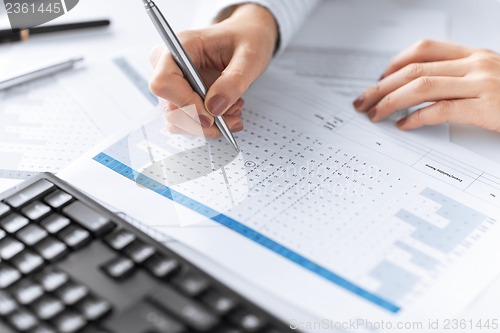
point(377, 217)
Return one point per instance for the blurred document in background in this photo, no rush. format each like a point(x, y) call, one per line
point(48, 123)
point(347, 44)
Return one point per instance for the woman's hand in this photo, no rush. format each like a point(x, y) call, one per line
point(463, 82)
point(229, 55)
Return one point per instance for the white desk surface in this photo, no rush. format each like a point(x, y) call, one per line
point(130, 31)
point(473, 22)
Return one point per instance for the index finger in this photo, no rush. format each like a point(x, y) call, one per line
point(427, 51)
point(169, 83)
point(155, 54)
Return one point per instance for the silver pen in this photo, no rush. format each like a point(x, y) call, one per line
point(184, 62)
point(39, 73)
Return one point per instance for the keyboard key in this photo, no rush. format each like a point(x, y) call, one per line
point(88, 218)
point(58, 199)
point(119, 268)
point(13, 223)
point(4, 209)
point(72, 293)
point(31, 234)
point(29, 193)
point(69, 322)
point(218, 302)
point(188, 310)
point(2, 234)
point(52, 280)
point(27, 262)
point(51, 249)
point(139, 252)
point(191, 284)
point(23, 320)
point(74, 236)
point(7, 304)
point(94, 309)
point(36, 210)
point(48, 307)
point(28, 292)
point(144, 317)
point(8, 275)
point(162, 267)
point(10, 247)
point(55, 223)
point(248, 321)
point(119, 239)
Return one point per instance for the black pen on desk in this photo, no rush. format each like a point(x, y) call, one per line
point(184, 62)
point(20, 35)
point(39, 73)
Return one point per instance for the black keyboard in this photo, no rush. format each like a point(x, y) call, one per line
point(69, 265)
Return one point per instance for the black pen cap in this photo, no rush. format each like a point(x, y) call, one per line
point(10, 35)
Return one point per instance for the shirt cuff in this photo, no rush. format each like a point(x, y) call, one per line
point(289, 15)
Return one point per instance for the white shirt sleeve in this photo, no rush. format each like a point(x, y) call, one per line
point(289, 14)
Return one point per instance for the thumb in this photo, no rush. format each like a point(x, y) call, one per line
point(234, 81)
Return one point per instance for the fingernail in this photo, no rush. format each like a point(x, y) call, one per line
point(401, 122)
point(237, 127)
point(372, 113)
point(205, 121)
point(217, 105)
point(233, 112)
point(358, 101)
